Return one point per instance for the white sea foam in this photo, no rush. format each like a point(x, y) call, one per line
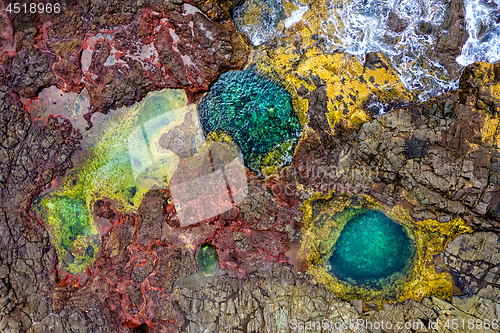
point(272, 12)
point(483, 25)
point(362, 26)
point(296, 16)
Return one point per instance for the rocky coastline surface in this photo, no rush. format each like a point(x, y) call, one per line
point(438, 159)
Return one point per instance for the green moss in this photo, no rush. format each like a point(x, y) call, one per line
point(208, 259)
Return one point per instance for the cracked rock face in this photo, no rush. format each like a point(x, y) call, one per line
point(147, 271)
point(435, 159)
point(119, 53)
point(438, 160)
point(33, 155)
point(475, 260)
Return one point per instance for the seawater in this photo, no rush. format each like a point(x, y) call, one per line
point(361, 26)
point(371, 247)
point(483, 24)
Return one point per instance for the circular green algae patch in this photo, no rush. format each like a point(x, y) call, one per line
point(208, 259)
point(371, 247)
point(258, 115)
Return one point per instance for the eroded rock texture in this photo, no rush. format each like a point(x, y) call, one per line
point(120, 52)
point(32, 155)
point(147, 269)
point(438, 159)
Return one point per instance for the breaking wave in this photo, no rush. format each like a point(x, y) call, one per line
point(405, 30)
point(483, 25)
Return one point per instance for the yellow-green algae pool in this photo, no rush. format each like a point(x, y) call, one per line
point(327, 217)
point(105, 171)
point(208, 259)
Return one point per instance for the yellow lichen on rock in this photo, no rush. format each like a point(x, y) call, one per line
point(479, 74)
point(349, 85)
point(489, 102)
point(491, 130)
point(253, 15)
point(352, 88)
point(431, 238)
point(218, 136)
point(326, 216)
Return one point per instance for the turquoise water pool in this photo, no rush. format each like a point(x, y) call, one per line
point(371, 247)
